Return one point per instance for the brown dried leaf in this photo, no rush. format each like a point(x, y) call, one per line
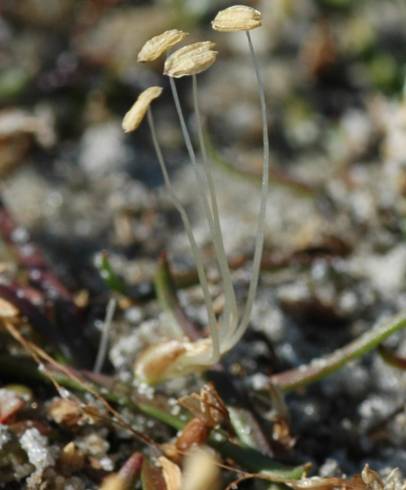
point(281, 433)
point(152, 477)
point(206, 405)
point(171, 472)
point(66, 412)
point(194, 433)
point(10, 403)
point(71, 458)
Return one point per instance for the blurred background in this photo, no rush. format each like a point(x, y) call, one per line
point(334, 72)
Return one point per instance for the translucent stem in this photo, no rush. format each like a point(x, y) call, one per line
point(231, 311)
point(104, 340)
point(201, 181)
point(188, 228)
point(259, 243)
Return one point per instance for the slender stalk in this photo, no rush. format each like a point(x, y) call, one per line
point(202, 184)
point(229, 293)
point(319, 368)
point(104, 341)
point(188, 228)
point(260, 234)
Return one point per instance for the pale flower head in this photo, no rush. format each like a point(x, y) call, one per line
point(173, 359)
point(237, 18)
point(136, 114)
point(158, 45)
point(191, 59)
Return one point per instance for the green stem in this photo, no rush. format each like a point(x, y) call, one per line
point(323, 366)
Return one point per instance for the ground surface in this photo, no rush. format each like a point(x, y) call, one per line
point(335, 257)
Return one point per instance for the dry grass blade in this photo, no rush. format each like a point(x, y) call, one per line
point(41, 357)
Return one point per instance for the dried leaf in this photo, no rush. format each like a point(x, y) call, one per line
point(201, 470)
point(171, 472)
point(66, 412)
point(206, 405)
point(132, 468)
point(191, 59)
point(126, 478)
point(158, 45)
point(194, 433)
point(71, 458)
point(10, 403)
point(281, 433)
point(172, 359)
point(114, 482)
point(371, 479)
point(152, 477)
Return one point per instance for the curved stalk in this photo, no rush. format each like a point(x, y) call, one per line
point(318, 369)
point(192, 155)
point(188, 228)
point(104, 340)
point(231, 310)
point(259, 243)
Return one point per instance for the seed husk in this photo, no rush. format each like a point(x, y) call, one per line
point(136, 114)
point(158, 45)
point(237, 18)
point(191, 59)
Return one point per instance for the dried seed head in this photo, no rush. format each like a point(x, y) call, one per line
point(237, 18)
point(136, 114)
point(191, 59)
point(156, 46)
